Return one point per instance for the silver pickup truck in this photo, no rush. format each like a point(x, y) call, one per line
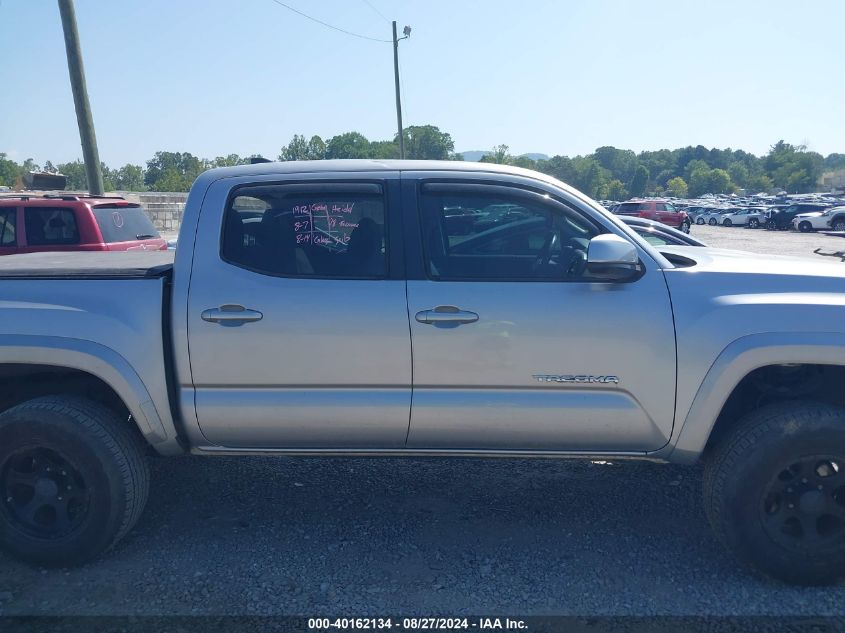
point(347, 308)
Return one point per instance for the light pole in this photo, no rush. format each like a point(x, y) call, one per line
point(93, 172)
point(407, 34)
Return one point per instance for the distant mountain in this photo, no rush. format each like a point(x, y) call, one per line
point(477, 155)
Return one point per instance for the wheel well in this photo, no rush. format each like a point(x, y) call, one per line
point(21, 382)
point(778, 383)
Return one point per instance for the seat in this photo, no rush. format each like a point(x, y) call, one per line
point(233, 237)
point(363, 252)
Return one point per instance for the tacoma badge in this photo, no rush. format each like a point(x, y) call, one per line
point(580, 378)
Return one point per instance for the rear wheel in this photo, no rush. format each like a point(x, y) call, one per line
point(805, 227)
point(699, 220)
point(712, 222)
point(838, 224)
point(73, 480)
point(753, 223)
point(774, 491)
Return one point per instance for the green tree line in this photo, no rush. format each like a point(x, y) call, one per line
point(607, 173)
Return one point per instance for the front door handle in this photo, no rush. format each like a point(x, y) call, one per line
point(446, 314)
point(231, 314)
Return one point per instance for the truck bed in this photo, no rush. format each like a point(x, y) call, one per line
point(87, 265)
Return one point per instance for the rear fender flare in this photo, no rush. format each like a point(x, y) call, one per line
point(97, 360)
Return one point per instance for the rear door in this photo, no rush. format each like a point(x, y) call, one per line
point(514, 346)
point(297, 315)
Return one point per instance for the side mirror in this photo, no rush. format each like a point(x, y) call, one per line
point(612, 258)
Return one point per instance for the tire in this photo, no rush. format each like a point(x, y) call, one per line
point(712, 222)
point(88, 450)
point(753, 223)
point(699, 220)
point(787, 453)
point(685, 226)
point(838, 224)
point(727, 222)
point(805, 227)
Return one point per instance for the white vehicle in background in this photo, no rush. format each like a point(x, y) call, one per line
point(713, 217)
point(815, 220)
point(751, 217)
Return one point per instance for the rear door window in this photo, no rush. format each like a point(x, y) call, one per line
point(628, 208)
point(279, 230)
point(124, 223)
point(8, 220)
point(48, 226)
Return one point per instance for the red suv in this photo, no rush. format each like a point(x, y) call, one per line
point(657, 210)
point(29, 224)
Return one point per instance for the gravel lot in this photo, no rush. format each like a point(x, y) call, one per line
point(354, 536)
point(770, 242)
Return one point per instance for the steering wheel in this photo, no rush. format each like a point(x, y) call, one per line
point(544, 257)
point(578, 266)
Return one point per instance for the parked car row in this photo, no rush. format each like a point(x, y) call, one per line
point(659, 210)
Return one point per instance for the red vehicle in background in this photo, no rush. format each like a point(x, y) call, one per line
point(31, 224)
point(657, 210)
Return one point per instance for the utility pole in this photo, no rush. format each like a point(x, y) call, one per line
point(80, 99)
point(407, 32)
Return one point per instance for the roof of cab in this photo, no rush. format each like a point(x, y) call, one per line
point(364, 165)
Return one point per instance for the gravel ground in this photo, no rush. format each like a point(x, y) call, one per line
point(354, 536)
point(770, 242)
point(304, 536)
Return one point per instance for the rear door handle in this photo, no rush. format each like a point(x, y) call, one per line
point(446, 314)
point(231, 314)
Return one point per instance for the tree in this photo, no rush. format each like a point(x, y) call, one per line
point(384, 149)
point(794, 168)
point(348, 145)
point(616, 190)
point(500, 155)
point(677, 187)
point(75, 174)
point(172, 171)
point(300, 149)
point(639, 181)
point(739, 174)
point(10, 171)
point(427, 142)
point(560, 167)
point(834, 162)
point(129, 178)
point(30, 165)
point(230, 160)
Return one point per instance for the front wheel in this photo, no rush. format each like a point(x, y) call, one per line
point(805, 227)
point(699, 220)
point(712, 222)
point(727, 222)
point(73, 480)
point(685, 226)
point(774, 491)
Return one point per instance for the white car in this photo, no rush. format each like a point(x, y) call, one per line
point(713, 217)
point(815, 220)
point(751, 217)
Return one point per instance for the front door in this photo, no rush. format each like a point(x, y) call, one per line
point(514, 347)
point(297, 317)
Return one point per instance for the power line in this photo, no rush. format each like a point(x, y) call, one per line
point(326, 24)
point(380, 14)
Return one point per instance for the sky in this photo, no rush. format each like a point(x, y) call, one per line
point(214, 77)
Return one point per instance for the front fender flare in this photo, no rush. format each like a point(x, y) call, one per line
point(734, 363)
